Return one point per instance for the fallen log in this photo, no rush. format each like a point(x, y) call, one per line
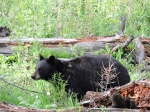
point(70, 45)
point(87, 44)
point(138, 91)
point(7, 107)
point(6, 50)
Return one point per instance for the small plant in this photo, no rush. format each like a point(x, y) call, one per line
point(107, 74)
point(59, 94)
point(103, 108)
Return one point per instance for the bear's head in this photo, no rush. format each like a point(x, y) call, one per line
point(46, 67)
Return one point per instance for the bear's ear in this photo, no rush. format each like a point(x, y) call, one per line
point(41, 57)
point(51, 59)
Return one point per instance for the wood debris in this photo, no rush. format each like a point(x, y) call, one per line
point(139, 50)
point(137, 91)
point(7, 107)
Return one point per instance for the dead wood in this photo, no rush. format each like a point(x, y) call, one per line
point(139, 51)
point(137, 91)
point(111, 39)
point(2, 78)
point(6, 50)
point(87, 44)
point(2, 45)
point(123, 24)
point(147, 49)
point(120, 102)
point(123, 45)
point(7, 107)
point(109, 110)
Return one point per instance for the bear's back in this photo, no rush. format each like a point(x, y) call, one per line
point(89, 69)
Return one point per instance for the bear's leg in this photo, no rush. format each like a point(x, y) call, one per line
point(79, 92)
point(75, 88)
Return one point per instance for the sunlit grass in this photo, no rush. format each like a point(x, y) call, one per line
point(75, 18)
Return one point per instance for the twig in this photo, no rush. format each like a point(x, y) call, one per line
point(141, 79)
point(2, 78)
point(127, 42)
point(123, 45)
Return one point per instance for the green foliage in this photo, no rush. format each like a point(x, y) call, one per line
point(119, 55)
point(75, 18)
point(19, 73)
point(58, 92)
point(103, 108)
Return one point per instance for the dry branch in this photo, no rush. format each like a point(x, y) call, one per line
point(11, 84)
point(123, 45)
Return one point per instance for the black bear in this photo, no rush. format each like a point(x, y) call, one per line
point(85, 73)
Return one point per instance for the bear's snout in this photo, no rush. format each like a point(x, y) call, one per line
point(33, 77)
point(36, 76)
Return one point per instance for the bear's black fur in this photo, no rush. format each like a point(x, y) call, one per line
point(83, 73)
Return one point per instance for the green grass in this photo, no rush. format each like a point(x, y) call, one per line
point(68, 19)
point(19, 67)
point(75, 18)
point(47, 98)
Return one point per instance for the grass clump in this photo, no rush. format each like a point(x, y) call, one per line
point(76, 18)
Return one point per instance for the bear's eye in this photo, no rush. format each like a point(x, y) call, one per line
point(39, 69)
